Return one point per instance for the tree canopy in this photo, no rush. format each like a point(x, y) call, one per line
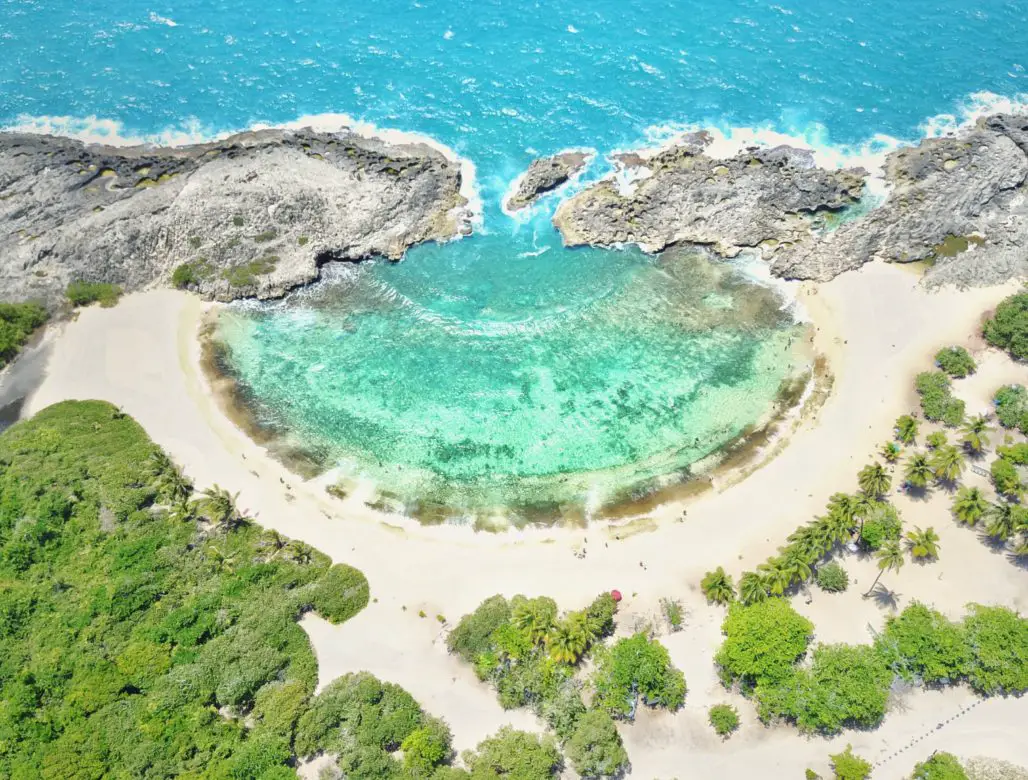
point(1008, 327)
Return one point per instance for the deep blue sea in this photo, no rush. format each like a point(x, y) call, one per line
point(503, 370)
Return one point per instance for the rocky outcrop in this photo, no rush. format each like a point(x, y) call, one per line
point(545, 175)
point(684, 196)
point(959, 202)
point(254, 214)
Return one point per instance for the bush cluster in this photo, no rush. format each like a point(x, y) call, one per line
point(530, 654)
point(955, 361)
point(832, 578)
point(1011, 404)
point(724, 719)
point(937, 402)
point(85, 293)
point(17, 321)
point(191, 274)
point(847, 686)
point(1008, 327)
point(939, 766)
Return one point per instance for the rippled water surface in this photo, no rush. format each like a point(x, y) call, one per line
point(503, 371)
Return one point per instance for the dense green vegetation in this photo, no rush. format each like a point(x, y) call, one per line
point(1008, 327)
point(937, 402)
point(847, 686)
point(85, 293)
point(531, 655)
point(955, 361)
point(17, 321)
point(1011, 404)
point(191, 274)
point(940, 766)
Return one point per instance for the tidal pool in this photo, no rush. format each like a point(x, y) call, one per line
point(499, 377)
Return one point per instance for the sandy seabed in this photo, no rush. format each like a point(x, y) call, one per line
point(877, 328)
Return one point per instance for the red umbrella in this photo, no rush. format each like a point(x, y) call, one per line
point(616, 595)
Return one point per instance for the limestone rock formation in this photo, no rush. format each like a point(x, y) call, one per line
point(254, 214)
point(683, 196)
point(959, 202)
point(545, 175)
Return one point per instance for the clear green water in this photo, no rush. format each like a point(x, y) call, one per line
point(538, 385)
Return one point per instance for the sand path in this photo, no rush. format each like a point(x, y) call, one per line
point(877, 328)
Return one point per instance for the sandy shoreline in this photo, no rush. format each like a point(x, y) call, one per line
point(877, 329)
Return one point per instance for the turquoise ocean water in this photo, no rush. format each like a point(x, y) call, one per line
point(504, 371)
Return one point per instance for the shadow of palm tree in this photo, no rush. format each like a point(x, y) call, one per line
point(884, 598)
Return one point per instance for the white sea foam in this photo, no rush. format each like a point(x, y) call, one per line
point(162, 20)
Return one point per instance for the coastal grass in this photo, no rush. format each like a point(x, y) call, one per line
point(17, 323)
point(246, 274)
point(86, 293)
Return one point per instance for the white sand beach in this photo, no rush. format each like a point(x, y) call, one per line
point(877, 327)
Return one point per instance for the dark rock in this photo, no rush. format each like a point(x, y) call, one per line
point(545, 175)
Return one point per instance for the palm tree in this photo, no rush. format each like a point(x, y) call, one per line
point(906, 429)
point(969, 505)
point(1004, 520)
point(976, 433)
point(273, 539)
point(752, 588)
point(891, 451)
point(221, 560)
point(568, 639)
point(890, 558)
point(843, 510)
point(796, 562)
point(923, 544)
point(822, 536)
point(300, 552)
point(536, 617)
point(874, 480)
point(918, 471)
point(948, 463)
point(219, 506)
point(811, 541)
point(169, 480)
point(717, 587)
point(936, 440)
point(777, 575)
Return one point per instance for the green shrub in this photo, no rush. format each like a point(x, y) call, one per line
point(1015, 453)
point(848, 766)
point(17, 322)
point(724, 719)
point(237, 220)
point(1011, 404)
point(636, 667)
point(600, 615)
point(1008, 327)
point(939, 766)
point(595, 749)
point(1005, 478)
point(85, 293)
point(832, 578)
point(845, 686)
point(245, 275)
point(955, 361)
point(672, 613)
point(514, 754)
point(426, 748)
point(882, 525)
point(340, 594)
point(473, 635)
point(191, 274)
point(998, 641)
point(762, 642)
point(265, 236)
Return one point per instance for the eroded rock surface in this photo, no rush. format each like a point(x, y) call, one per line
point(545, 175)
point(250, 215)
point(684, 196)
point(960, 202)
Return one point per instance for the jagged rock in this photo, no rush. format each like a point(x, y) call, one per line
point(960, 202)
point(545, 175)
point(947, 196)
point(684, 196)
point(251, 215)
